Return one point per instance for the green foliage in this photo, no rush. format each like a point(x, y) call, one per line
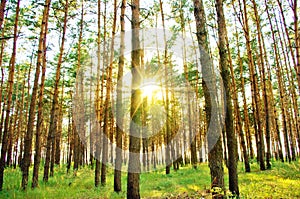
point(283, 181)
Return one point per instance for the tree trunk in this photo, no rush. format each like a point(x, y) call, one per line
point(28, 137)
point(50, 154)
point(215, 156)
point(239, 126)
point(70, 142)
point(98, 99)
point(192, 139)
point(2, 105)
point(230, 134)
point(297, 40)
point(2, 11)
point(133, 179)
point(165, 64)
point(107, 104)
point(40, 119)
point(119, 113)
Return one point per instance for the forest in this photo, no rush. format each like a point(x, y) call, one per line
point(150, 99)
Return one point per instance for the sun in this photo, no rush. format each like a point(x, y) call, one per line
point(150, 89)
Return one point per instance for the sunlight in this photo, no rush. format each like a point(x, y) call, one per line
point(151, 89)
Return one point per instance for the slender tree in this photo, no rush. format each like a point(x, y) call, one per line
point(119, 113)
point(107, 104)
point(239, 126)
point(133, 179)
point(55, 106)
point(98, 102)
point(2, 11)
point(40, 119)
point(28, 137)
point(230, 134)
point(215, 156)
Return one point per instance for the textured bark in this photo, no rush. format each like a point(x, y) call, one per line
point(262, 66)
point(98, 102)
point(295, 119)
point(6, 139)
point(290, 76)
point(70, 142)
point(295, 61)
point(230, 134)
point(192, 140)
point(59, 130)
point(107, 104)
point(50, 154)
point(166, 100)
point(133, 179)
point(259, 119)
point(20, 123)
point(79, 129)
point(2, 105)
point(282, 97)
point(11, 128)
point(215, 156)
point(239, 125)
point(254, 86)
point(29, 133)
point(297, 40)
point(119, 113)
point(245, 108)
point(2, 11)
point(40, 120)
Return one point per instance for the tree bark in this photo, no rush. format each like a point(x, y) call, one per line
point(98, 100)
point(2, 11)
point(119, 113)
point(133, 179)
point(40, 119)
point(28, 137)
point(54, 110)
point(215, 154)
point(230, 134)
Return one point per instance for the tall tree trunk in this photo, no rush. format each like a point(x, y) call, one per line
point(282, 97)
point(98, 102)
point(254, 87)
point(107, 104)
point(79, 96)
point(295, 61)
point(12, 123)
point(297, 40)
point(59, 128)
point(40, 118)
point(2, 11)
point(21, 122)
point(28, 137)
point(215, 156)
point(261, 64)
point(165, 63)
point(230, 134)
point(192, 140)
point(119, 113)
point(133, 179)
point(239, 126)
point(54, 110)
point(245, 108)
point(2, 105)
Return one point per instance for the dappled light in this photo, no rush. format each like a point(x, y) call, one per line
point(149, 99)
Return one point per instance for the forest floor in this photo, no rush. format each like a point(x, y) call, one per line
point(282, 181)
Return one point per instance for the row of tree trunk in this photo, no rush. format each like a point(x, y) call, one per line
point(270, 127)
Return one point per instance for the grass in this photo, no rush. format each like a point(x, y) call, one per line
point(282, 181)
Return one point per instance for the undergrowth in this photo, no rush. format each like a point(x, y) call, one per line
point(282, 181)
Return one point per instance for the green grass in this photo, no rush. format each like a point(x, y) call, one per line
point(283, 181)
